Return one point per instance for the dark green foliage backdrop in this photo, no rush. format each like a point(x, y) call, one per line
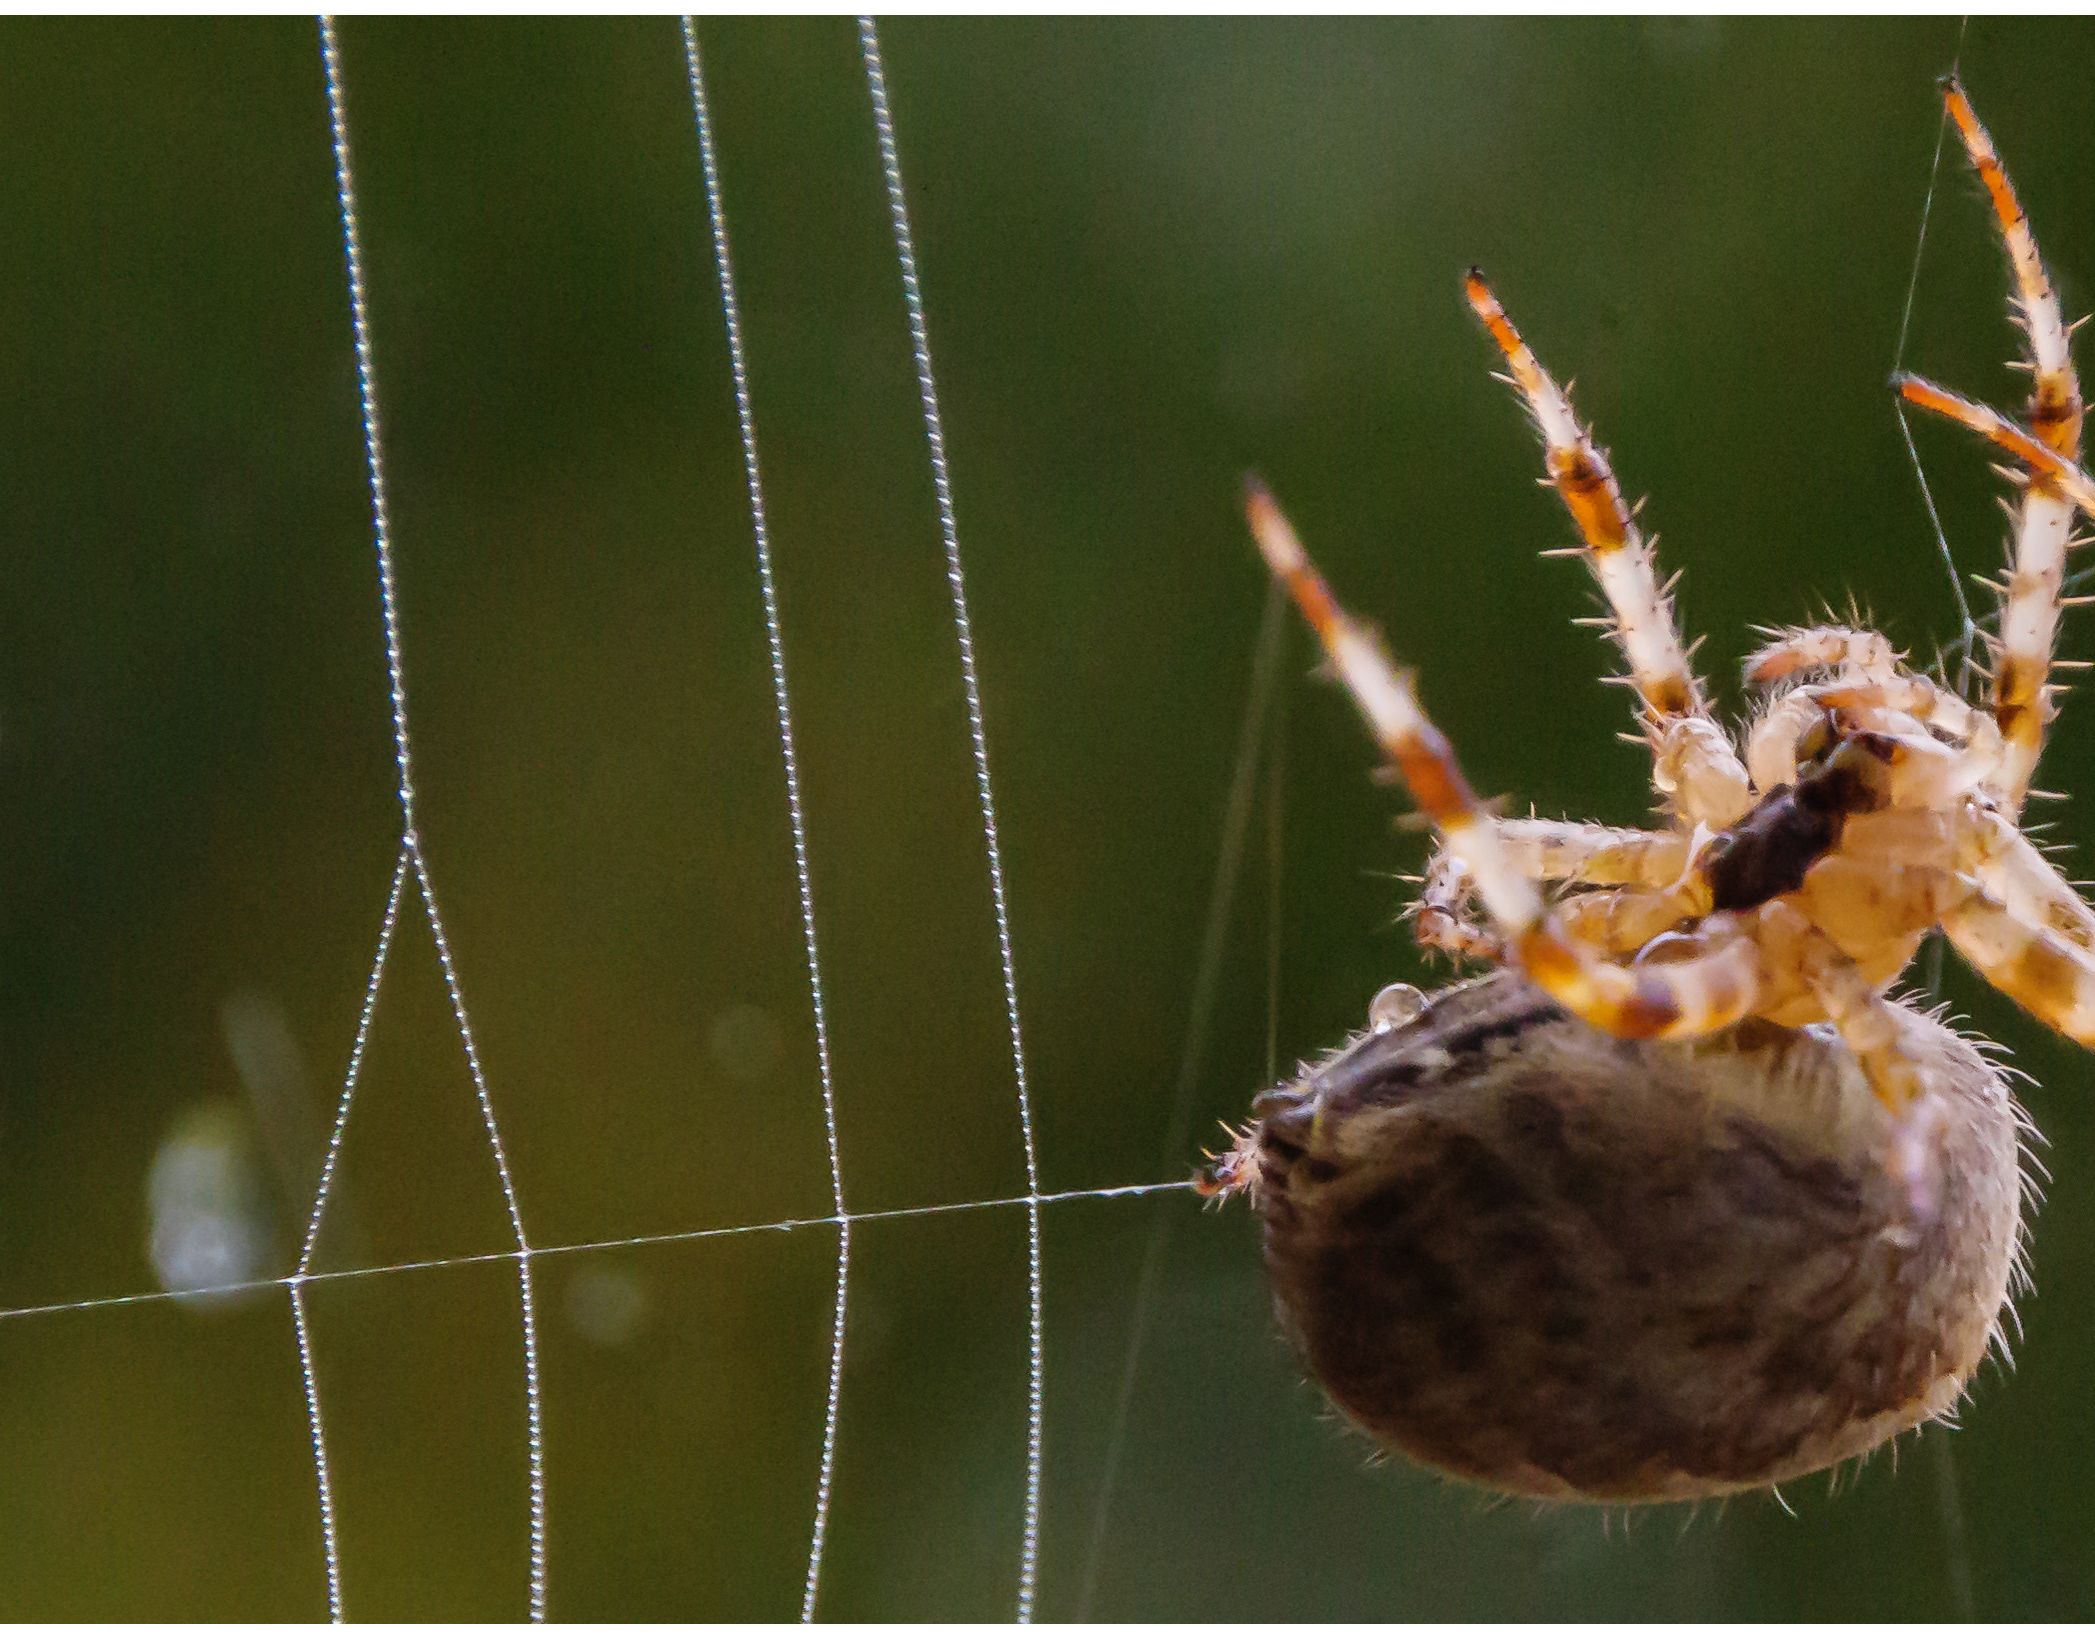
point(1155, 254)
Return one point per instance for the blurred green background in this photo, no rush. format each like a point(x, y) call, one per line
point(1154, 254)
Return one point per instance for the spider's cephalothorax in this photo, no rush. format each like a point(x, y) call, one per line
point(1680, 1201)
point(1774, 846)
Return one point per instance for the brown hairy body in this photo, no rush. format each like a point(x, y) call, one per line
point(1568, 1266)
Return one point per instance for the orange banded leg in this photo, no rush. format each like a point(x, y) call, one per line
point(2063, 474)
point(1707, 779)
point(2042, 970)
point(2052, 978)
point(2037, 967)
point(2055, 407)
point(1650, 862)
point(2026, 884)
point(2030, 598)
point(2029, 612)
point(1685, 999)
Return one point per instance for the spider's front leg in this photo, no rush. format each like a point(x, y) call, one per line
point(2049, 448)
point(1694, 760)
point(1673, 1001)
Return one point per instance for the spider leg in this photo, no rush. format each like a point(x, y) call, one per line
point(1558, 851)
point(2029, 615)
point(2055, 406)
point(1674, 1000)
point(1867, 1022)
point(2047, 973)
point(1604, 855)
point(2026, 885)
point(2065, 475)
point(1695, 760)
point(1614, 921)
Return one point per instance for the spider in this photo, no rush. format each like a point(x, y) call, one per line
point(1679, 1201)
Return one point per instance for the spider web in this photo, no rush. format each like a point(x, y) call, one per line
point(410, 904)
point(413, 889)
point(413, 877)
point(1967, 629)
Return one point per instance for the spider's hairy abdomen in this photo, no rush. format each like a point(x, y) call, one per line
point(1567, 1266)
